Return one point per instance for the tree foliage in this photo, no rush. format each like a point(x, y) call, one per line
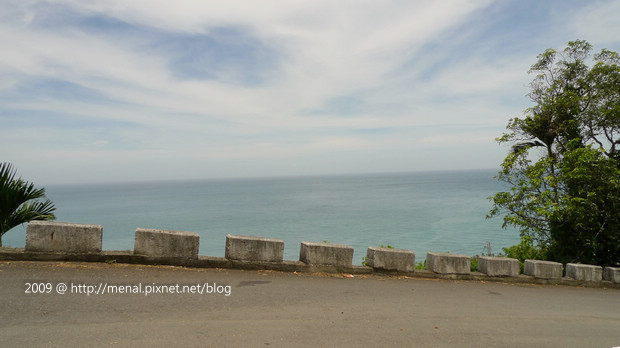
point(526, 250)
point(20, 201)
point(564, 167)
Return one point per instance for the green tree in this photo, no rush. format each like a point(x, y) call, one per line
point(564, 167)
point(20, 201)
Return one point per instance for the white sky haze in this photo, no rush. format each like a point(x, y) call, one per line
point(110, 91)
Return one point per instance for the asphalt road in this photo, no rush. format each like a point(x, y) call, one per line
point(273, 309)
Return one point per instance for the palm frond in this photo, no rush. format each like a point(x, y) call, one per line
point(31, 211)
point(20, 201)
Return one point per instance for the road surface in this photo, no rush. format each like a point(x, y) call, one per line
point(274, 309)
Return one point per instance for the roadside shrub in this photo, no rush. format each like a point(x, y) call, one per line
point(526, 250)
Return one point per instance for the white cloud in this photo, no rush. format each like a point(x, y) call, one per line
point(294, 84)
point(598, 23)
point(99, 143)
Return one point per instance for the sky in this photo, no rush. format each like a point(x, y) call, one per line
point(143, 90)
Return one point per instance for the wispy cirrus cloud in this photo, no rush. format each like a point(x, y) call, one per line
point(115, 89)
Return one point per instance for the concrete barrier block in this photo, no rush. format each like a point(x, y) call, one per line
point(612, 274)
point(589, 273)
point(543, 269)
point(391, 259)
point(447, 263)
point(162, 243)
point(249, 248)
point(326, 254)
point(498, 266)
point(50, 236)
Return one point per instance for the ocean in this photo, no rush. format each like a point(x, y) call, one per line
point(421, 211)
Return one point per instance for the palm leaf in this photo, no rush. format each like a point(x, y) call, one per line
point(19, 201)
point(31, 211)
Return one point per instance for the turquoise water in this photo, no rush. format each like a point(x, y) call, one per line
point(427, 211)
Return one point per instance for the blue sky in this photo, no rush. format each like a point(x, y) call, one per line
point(111, 91)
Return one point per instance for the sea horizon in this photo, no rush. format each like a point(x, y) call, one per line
point(442, 211)
point(258, 177)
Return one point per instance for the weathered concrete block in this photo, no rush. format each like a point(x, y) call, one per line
point(162, 243)
point(612, 274)
point(248, 248)
point(391, 259)
point(447, 263)
point(326, 254)
point(49, 236)
point(588, 273)
point(543, 269)
point(498, 266)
